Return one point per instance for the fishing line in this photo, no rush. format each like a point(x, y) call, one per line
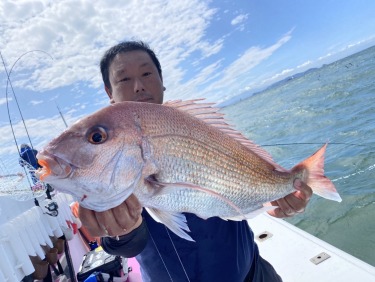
point(311, 143)
point(165, 266)
point(3, 167)
point(179, 259)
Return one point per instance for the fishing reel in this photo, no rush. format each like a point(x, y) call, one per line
point(52, 208)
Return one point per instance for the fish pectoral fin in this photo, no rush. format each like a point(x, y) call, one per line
point(252, 214)
point(176, 222)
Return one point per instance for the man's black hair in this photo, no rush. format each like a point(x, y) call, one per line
point(123, 47)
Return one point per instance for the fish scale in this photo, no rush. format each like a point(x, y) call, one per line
point(226, 176)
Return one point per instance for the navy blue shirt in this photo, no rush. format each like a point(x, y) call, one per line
point(222, 251)
point(29, 155)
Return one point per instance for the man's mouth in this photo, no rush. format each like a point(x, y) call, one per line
point(144, 99)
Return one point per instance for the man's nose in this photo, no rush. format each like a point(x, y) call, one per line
point(138, 86)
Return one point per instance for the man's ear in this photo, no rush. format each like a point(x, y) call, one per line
point(109, 93)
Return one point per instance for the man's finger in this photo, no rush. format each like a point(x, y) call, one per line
point(89, 221)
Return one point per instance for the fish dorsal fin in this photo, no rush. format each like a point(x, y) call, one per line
point(210, 115)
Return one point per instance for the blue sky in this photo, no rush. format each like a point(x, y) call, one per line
point(210, 49)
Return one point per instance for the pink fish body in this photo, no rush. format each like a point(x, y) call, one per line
point(178, 157)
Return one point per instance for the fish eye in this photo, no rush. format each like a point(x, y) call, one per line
point(97, 136)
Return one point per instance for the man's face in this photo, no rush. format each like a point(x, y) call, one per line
point(134, 77)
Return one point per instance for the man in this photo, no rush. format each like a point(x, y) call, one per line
point(28, 158)
point(223, 250)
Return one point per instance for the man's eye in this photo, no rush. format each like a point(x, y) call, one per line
point(147, 73)
point(125, 79)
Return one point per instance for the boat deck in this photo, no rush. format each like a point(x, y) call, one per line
point(296, 255)
point(299, 256)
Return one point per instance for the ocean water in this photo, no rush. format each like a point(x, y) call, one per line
point(335, 103)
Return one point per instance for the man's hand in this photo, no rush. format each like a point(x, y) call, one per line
point(117, 221)
point(292, 203)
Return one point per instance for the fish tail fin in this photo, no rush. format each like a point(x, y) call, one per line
point(319, 183)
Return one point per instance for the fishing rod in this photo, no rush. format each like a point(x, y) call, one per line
point(10, 121)
point(62, 115)
point(9, 82)
point(52, 206)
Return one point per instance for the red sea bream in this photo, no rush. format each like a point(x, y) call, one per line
point(178, 157)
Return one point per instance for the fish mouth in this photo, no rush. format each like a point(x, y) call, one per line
point(52, 167)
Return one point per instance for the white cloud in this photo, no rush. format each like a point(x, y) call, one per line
point(326, 56)
point(239, 19)
point(279, 76)
point(71, 36)
point(240, 70)
point(39, 130)
point(34, 102)
point(305, 64)
point(4, 100)
point(76, 33)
